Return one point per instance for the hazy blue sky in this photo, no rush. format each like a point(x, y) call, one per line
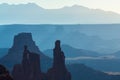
point(108, 5)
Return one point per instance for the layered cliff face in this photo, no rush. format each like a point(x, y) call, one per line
point(29, 69)
point(14, 55)
point(58, 70)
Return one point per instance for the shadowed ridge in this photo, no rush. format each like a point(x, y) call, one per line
point(15, 55)
point(29, 69)
point(58, 70)
point(4, 74)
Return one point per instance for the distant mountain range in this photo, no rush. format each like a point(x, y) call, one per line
point(71, 52)
point(77, 36)
point(80, 71)
point(33, 14)
point(102, 62)
point(116, 54)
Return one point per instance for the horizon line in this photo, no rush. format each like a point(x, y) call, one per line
point(15, 4)
point(63, 24)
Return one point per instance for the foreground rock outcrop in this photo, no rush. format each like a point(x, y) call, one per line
point(4, 74)
point(29, 69)
point(58, 70)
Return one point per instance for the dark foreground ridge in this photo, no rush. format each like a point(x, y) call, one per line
point(30, 69)
point(4, 74)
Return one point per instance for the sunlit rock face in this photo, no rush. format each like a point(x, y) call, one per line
point(58, 70)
